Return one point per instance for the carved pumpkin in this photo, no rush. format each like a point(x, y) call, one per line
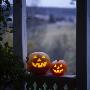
point(38, 63)
point(58, 67)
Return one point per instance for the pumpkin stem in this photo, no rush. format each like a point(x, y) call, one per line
point(58, 59)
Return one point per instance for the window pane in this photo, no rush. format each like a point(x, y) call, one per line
point(51, 28)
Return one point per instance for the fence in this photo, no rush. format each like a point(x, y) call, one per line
point(67, 82)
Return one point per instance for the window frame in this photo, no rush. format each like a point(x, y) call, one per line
point(81, 43)
point(20, 34)
point(20, 38)
point(88, 45)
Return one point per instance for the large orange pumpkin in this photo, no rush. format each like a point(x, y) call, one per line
point(58, 67)
point(38, 63)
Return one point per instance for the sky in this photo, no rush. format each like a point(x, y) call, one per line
point(50, 3)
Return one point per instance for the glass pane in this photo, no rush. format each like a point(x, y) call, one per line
point(51, 28)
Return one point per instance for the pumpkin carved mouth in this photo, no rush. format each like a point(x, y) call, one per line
point(39, 65)
point(58, 71)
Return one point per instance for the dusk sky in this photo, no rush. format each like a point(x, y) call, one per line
point(50, 3)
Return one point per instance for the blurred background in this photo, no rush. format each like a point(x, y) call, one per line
point(51, 28)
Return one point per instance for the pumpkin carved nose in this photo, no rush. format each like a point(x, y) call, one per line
point(39, 60)
point(58, 67)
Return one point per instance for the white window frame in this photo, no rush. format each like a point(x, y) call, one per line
point(20, 34)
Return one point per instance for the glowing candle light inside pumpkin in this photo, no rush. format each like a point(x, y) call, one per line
point(38, 63)
point(58, 67)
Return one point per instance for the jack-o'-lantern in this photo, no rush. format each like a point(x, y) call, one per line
point(38, 63)
point(58, 67)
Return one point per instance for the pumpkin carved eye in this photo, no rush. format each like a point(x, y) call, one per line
point(55, 65)
point(43, 57)
point(35, 57)
point(61, 65)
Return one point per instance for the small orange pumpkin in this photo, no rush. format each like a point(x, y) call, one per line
point(58, 67)
point(38, 63)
